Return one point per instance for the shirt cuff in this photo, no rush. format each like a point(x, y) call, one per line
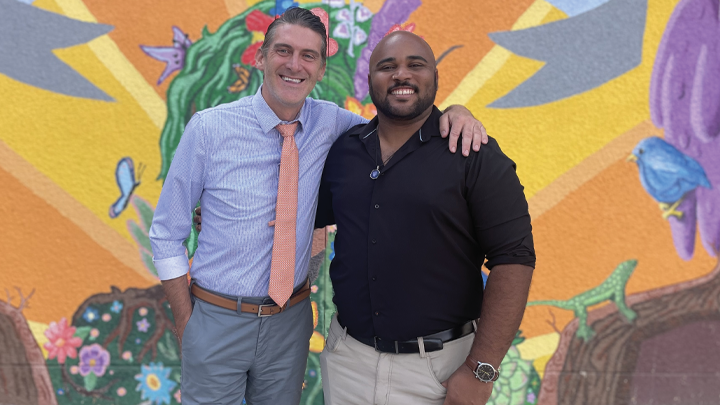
point(172, 267)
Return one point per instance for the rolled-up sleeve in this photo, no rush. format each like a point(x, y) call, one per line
point(499, 208)
point(181, 191)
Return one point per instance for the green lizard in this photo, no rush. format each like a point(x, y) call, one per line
point(613, 288)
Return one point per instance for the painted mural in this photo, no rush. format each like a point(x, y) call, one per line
point(610, 108)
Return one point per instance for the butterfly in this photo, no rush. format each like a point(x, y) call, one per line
point(242, 81)
point(125, 177)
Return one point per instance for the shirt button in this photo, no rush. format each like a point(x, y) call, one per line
point(374, 241)
point(377, 313)
point(374, 278)
point(377, 206)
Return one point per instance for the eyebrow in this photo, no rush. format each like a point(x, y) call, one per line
point(281, 45)
point(391, 59)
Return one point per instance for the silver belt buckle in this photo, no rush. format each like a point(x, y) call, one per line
point(260, 307)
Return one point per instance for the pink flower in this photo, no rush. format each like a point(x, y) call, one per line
point(94, 333)
point(62, 342)
point(127, 355)
point(74, 370)
point(178, 396)
point(121, 392)
point(106, 317)
point(409, 27)
point(332, 45)
point(143, 311)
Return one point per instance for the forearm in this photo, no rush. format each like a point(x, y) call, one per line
point(178, 295)
point(503, 307)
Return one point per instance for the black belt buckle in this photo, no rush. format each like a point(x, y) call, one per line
point(384, 349)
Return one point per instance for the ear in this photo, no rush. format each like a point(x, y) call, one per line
point(259, 59)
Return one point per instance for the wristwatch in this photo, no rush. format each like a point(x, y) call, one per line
point(484, 372)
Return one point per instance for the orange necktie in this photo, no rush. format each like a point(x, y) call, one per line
point(282, 268)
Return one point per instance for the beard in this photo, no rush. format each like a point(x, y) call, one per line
point(383, 106)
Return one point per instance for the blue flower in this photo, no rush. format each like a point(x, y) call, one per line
point(116, 307)
point(281, 6)
point(60, 391)
point(91, 314)
point(332, 250)
point(155, 383)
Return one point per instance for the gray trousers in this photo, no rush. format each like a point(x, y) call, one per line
point(229, 355)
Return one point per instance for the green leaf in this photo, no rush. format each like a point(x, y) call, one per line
point(147, 260)
point(82, 332)
point(191, 243)
point(168, 348)
point(141, 237)
point(90, 381)
point(145, 212)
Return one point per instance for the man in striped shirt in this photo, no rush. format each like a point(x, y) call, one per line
point(228, 159)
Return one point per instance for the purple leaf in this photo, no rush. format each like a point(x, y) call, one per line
point(392, 12)
point(173, 56)
point(685, 102)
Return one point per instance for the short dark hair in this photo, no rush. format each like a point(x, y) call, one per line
point(302, 17)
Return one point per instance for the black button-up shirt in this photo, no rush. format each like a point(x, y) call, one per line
point(410, 244)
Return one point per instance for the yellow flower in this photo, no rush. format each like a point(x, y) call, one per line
point(315, 313)
point(366, 111)
point(317, 342)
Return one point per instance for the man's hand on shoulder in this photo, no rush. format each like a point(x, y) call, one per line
point(464, 389)
point(457, 120)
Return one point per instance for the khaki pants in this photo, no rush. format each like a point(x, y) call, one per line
point(354, 373)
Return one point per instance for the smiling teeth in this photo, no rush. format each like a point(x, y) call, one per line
point(287, 79)
point(403, 92)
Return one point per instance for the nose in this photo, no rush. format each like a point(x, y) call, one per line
point(294, 62)
point(402, 73)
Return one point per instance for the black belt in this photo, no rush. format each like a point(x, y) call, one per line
point(432, 342)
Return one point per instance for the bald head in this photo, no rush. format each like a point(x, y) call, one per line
point(388, 46)
point(403, 79)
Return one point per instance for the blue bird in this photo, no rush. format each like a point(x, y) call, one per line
point(667, 174)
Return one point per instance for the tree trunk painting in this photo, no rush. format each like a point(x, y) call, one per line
point(600, 371)
point(24, 378)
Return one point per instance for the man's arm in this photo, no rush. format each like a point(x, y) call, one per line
point(503, 306)
point(504, 233)
point(456, 121)
point(170, 227)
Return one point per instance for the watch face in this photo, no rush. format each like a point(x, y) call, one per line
point(485, 372)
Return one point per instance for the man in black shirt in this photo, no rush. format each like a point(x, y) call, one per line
point(415, 225)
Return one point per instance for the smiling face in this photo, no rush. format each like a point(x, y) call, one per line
point(291, 65)
point(403, 80)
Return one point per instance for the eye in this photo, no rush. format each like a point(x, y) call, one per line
point(282, 51)
point(641, 151)
point(309, 56)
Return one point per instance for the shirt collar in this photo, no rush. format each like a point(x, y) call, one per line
point(430, 128)
point(267, 118)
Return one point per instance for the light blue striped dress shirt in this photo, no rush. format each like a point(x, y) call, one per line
point(229, 159)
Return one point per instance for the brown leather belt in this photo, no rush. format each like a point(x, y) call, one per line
point(259, 309)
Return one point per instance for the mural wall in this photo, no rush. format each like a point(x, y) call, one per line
point(610, 108)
